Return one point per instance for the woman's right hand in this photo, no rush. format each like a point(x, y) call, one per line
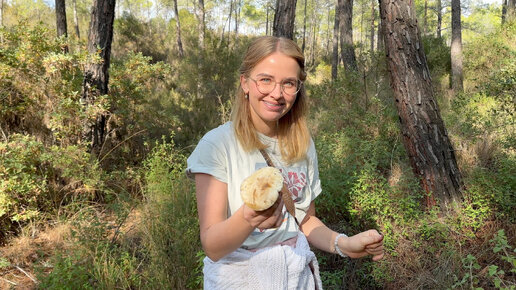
point(265, 219)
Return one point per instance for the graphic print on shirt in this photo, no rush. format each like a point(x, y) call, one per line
point(296, 181)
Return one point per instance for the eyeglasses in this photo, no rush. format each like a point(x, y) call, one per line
point(266, 85)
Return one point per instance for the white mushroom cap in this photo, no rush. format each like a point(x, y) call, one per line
point(260, 190)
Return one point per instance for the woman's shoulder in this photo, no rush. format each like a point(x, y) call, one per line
point(220, 135)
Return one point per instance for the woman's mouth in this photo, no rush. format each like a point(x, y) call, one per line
point(273, 106)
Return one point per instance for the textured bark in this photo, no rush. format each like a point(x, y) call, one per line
point(511, 10)
point(346, 35)
point(178, 28)
point(425, 18)
point(61, 21)
point(1, 13)
point(201, 26)
point(335, 53)
point(371, 36)
point(504, 11)
point(304, 28)
point(439, 9)
point(96, 76)
point(456, 48)
point(379, 35)
point(424, 136)
point(284, 18)
point(76, 20)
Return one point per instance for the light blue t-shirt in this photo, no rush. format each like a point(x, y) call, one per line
point(219, 154)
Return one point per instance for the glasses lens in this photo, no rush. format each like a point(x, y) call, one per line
point(290, 87)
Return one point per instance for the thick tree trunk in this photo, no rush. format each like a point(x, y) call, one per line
point(456, 48)
point(439, 9)
point(346, 35)
point(178, 28)
point(284, 18)
point(96, 76)
point(76, 20)
point(424, 136)
point(201, 22)
point(61, 21)
point(371, 36)
point(335, 54)
point(504, 11)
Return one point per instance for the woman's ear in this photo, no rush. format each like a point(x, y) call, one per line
point(243, 84)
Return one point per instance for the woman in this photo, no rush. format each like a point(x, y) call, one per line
point(249, 249)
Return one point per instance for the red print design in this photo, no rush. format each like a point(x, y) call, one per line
point(295, 183)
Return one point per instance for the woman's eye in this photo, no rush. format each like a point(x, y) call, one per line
point(289, 84)
point(265, 81)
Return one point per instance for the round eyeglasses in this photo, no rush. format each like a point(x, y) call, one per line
point(266, 85)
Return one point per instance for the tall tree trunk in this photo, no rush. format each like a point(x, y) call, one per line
point(267, 19)
point(237, 19)
point(371, 36)
point(439, 17)
point(504, 11)
point(178, 28)
point(335, 53)
point(1, 13)
point(304, 29)
point(511, 10)
point(314, 35)
point(425, 18)
point(76, 20)
point(61, 21)
point(424, 136)
point(284, 18)
point(379, 35)
point(456, 48)
point(346, 35)
point(96, 76)
point(201, 22)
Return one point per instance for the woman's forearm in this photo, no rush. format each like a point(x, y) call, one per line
point(224, 237)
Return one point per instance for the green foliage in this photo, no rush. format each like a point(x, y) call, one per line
point(171, 226)
point(37, 181)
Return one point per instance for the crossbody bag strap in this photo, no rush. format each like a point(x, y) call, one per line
point(285, 193)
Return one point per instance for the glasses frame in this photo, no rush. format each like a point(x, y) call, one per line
point(282, 89)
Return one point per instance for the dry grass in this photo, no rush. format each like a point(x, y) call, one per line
point(24, 252)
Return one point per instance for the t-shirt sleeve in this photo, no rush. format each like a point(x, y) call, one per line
point(209, 159)
point(313, 171)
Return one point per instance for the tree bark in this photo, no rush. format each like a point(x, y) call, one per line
point(511, 10)
point(425, 18)
point(178, 28)
point(1, 13)
point(346, 35)
point(201, 22)
point(96, 75)
point(424, 135)
point(61, 21)
point(456, 48)
point(335, 53)
point(371, 36)
point(284, 18)
point(304, 29)
point(439, 17)
point(76, 20)
point(379, 35)
point(504, 11)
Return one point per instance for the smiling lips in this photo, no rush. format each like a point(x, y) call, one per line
point(273, 107)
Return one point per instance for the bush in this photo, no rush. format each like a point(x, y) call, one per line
point(36, 181)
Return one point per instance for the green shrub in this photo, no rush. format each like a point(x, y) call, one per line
point(171, 226)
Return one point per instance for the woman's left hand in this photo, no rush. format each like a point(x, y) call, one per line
point(363, 244)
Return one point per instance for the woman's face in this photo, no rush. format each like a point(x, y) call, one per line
point(266, 109)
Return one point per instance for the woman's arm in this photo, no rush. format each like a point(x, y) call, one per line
point(221, 235)
point(360, 245)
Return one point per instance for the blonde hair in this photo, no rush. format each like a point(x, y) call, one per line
point(293, 135)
